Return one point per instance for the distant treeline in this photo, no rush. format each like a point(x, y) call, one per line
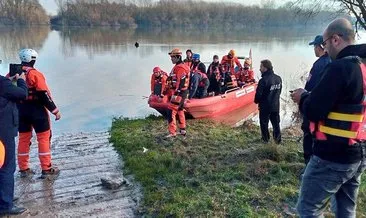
point(203, 14)
point(162, 14)
point(22, 12)
point(94, 13)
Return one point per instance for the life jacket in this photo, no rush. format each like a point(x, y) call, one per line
point(159, 83)
point(203, 76)
point(32, 92)
point(203, 79)
point(228, 80)
point(230, 62)
point(245, 76)
point(214, 73)
point(233, 83)
point(159, 80)
point(346, 121)
point(188, 62)
point(184, 80)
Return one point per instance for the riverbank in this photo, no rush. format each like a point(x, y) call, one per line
point(84, 160)
point(215, 171)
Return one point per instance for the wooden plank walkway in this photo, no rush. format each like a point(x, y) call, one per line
point(83, 159)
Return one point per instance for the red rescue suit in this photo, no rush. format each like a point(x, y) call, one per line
point(179, 83)
point(245, 76)
point(158, 83)
point(33, 114)
point(231, 63)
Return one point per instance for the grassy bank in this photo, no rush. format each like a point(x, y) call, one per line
point(215, 171)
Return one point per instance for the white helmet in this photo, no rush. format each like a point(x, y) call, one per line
point(27, 55)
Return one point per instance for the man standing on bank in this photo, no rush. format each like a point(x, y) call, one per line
point(267, 97)
point(315, 75)
point(336, 111)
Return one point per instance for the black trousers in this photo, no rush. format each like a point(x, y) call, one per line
point(274, 117)
point(307, 143)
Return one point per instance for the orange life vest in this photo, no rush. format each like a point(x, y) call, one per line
point(245, 76)
point(35, 82)
point(347, 121)
point(179, 76)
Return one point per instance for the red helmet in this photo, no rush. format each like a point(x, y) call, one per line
point(156, 70)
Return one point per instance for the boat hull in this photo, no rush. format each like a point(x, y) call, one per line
point(210, 107)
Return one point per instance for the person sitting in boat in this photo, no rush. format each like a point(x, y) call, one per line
point(245, 75)
point(227, 79)
point(231, 60)
point(213, 74)
point(199, 81)
point(188, 59)
point(158, 82)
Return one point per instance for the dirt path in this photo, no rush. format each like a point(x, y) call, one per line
point(83, 160)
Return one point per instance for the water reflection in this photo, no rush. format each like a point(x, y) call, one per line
point(96, 41)
point(14, 39)
point(238, 116)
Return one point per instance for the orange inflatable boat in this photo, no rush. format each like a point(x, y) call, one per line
point(210, 107)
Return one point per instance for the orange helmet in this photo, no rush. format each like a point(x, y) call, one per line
point(232, 52)
point(248, 61)
point(156, 70)
point(175, 51)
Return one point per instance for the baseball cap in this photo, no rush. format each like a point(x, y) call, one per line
point(317, 41)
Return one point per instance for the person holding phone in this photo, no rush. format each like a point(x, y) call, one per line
point(336, 110)
point(314, 77)
point(9, 96)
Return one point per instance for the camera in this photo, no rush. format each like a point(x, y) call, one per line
point(15, 69)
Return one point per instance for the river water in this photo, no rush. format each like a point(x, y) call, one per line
point(96, 74)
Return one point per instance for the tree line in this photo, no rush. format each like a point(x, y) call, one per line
point(22, 12)
point(177, 13)
point(162, 14)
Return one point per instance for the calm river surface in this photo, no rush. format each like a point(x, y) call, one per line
point(97, 74)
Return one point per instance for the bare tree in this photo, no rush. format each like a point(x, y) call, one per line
point(18, 12)
point(356, 8)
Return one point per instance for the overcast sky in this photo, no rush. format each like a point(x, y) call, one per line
point(51, 7)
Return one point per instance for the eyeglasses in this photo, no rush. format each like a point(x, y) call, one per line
point(324, 43)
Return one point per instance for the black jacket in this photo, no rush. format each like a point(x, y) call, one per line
point(316, 71)
point(201, 66)
point(9, 95)
point(341, 83)
point(268, 92)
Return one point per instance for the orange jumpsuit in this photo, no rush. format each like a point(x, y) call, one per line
point(188, 62)
point(245, 76)
point(158, 84)
point(231, 62)
point(179, 77)
point(33, 114)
